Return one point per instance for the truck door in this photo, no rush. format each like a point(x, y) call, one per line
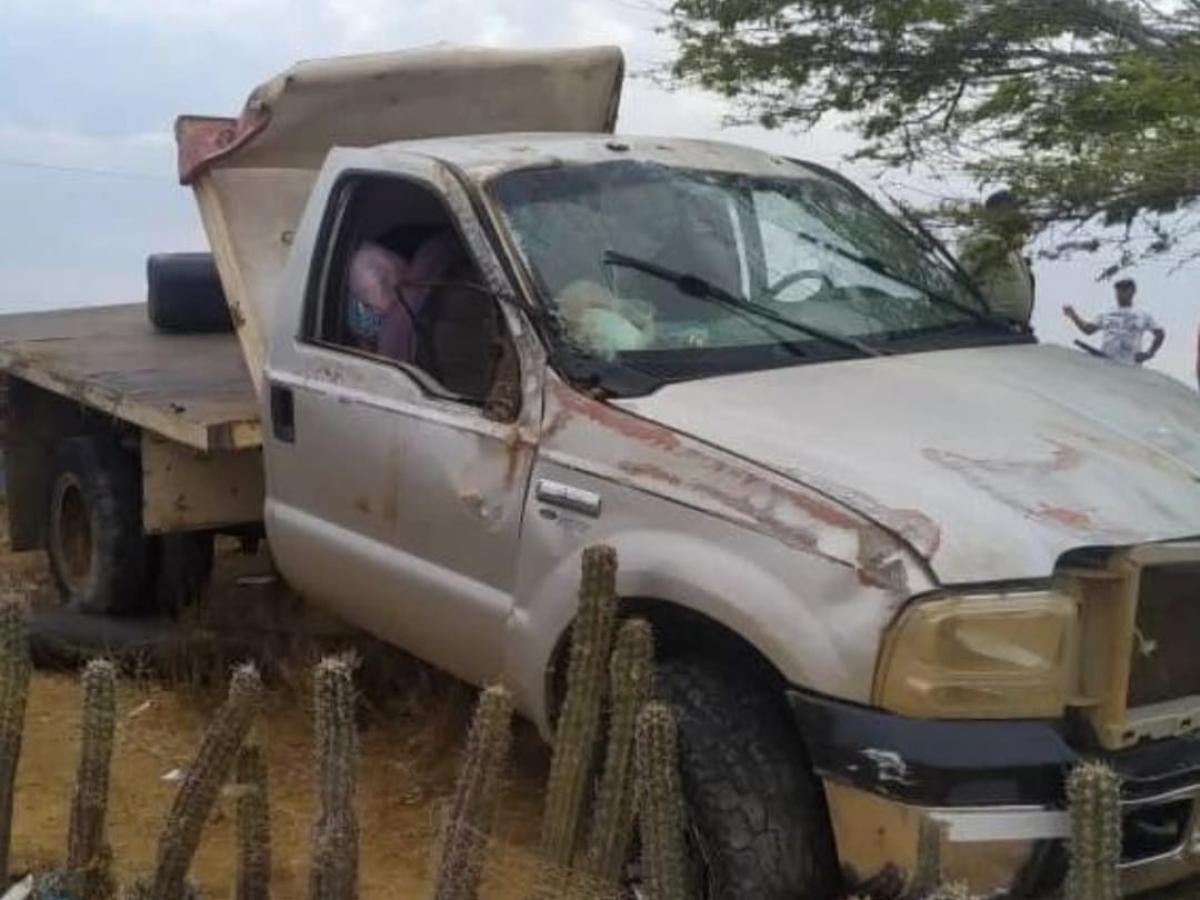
point(398, 422)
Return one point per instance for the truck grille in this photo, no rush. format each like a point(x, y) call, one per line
point(1166, 649)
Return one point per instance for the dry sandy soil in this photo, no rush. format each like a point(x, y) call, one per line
point(412, 728)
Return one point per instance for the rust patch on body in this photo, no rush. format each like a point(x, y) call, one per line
point(767, 504)
point(1063, 458)
point(1008, 480)
point(519, 446)
point(650, 472)
point(608, 417)
point(1071, 518)
point(202, 141)
point(922, 533)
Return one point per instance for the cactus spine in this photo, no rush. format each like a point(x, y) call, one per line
point(660, 804)
point(469, 819)
point(927, 875)
point(203, 782)
point(579, 722)
point(1094, 796)
point(334, 874)
point(15, 670)
point(253, 822)
point(87, 851)
point(631, 673)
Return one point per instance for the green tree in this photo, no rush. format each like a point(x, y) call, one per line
point(1089, 109)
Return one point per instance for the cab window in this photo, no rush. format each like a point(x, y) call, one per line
point(399, 285)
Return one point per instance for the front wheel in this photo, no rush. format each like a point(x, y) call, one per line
point(757, 814)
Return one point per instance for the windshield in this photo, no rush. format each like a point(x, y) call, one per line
point(667, 273)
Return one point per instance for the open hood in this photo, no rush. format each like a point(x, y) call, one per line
point(1007, 456)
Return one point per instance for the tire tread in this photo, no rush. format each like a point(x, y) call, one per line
point(749, 787)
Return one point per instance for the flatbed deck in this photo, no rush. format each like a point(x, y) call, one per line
point(193, 389)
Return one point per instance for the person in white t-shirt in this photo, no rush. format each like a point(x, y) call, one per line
point(1124, 328)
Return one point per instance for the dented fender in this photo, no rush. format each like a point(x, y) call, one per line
point(810, 584)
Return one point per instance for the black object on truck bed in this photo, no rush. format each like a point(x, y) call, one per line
point(184, 294)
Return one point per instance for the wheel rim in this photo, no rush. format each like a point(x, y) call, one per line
point(73, 536)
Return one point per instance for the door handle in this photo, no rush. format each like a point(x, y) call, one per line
point(565, 496)
point(283, 414)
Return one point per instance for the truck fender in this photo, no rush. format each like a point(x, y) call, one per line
point(695, 573)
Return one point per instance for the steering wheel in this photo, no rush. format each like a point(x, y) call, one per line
point(774, 290)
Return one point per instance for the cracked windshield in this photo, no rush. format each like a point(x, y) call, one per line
point(684, 272)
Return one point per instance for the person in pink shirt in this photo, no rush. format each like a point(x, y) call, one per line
point(388, 293)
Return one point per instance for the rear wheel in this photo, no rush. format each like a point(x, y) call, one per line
point(94, 527)
point(758, 826)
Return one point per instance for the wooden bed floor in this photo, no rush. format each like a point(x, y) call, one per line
point(189, 388)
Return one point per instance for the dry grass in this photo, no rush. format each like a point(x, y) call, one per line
point(409, 765)
point(413, 721)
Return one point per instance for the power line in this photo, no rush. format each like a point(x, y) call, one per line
point(81, 170)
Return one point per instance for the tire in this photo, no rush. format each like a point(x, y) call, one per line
point(180, 570)
point(184, 294)
point(94, 527)
point(756, 812)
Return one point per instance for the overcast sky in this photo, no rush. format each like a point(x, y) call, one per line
point(96, 84)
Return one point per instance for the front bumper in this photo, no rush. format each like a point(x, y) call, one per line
point(985, 800)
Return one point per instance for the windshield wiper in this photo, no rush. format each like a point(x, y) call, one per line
point(879, 267)
point(695, 286)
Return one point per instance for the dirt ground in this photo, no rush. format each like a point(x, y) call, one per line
point(410, 737)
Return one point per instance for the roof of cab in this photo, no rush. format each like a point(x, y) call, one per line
point(484, 156)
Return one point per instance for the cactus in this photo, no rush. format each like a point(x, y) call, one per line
point(334, 874)
point(579, 722)
point(469, 820)
point(253, 822)
point(203, 782)
point(15, 670)
point(631, 673)
point(1094, 797)
point(660, 804)
point(87, 851)
point(928, 870)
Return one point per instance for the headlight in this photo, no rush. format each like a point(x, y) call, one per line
point(983, 656)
